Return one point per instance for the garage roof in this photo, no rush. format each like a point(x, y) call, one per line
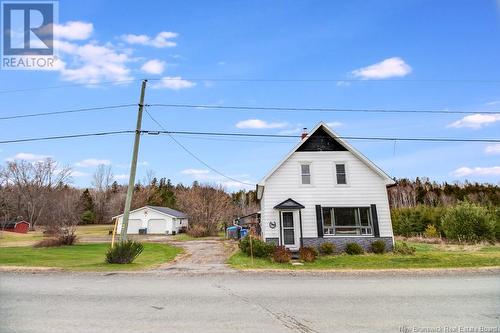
point(163, 210)
point(169, 211)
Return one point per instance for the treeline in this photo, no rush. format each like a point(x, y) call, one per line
point(42, 194)
point(421, 191)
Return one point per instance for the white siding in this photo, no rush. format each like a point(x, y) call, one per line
point(140, 214)
point(364, 188)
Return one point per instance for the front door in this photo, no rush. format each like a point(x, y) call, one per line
point(289, 233)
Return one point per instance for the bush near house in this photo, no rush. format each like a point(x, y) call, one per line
point(260, 249)
point(353, 249)
point(378, 247)
point(468, 222)
point(308, 254)
point(403, 248)
point(124, 252)
point(431, 232)
point(412, 221)
point(282, 255)
point(326, 248)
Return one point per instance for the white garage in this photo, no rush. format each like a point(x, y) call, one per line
point(154, 220)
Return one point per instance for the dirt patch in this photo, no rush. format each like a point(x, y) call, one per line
point(201, 257)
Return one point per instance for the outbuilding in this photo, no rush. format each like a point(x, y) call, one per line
point(21, 227)
point(154, 220)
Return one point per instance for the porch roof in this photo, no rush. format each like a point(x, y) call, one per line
point(289, 204)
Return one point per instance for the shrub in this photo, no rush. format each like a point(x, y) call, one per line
point(404, 249)
point(124, 252)
point(198, 231)
point(260, 248)
point(88, 217)
point(468, 222)
point(281, 254)
point(353, 249)
point(63, 237)
point(326, 248)
point(431, 232)
point(378, 247)
point(48, 242)
point(412, 221)
point(308, 254)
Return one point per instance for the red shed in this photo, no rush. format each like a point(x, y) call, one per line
point(21, 227)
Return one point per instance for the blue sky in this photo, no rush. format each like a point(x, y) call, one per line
point(400, 41)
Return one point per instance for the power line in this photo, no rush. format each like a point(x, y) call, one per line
point(70, 136)
point(374, 138)
point(284, 80)
point(29, 115)
point(314, 109)
point(192, 154)
point(327, 80)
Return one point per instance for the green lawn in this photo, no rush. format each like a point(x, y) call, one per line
point(426, 256)
point(84, 257)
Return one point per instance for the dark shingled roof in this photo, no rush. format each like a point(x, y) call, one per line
point(169, 211)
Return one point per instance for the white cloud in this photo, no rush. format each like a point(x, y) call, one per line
point(92, 162)
point(334, 124)
point(195, 172)
point(492, 103)
point(27, 157)
point(153, 67)
point(259, 124)
point(391, 67)
point(76, 173)
point(163, 39)
point(493, 149)
point(210, 177)
point(477, 171)
point(173, 82)
point(121, 176)
point(73, 30)
point(93, 63)
point(476, 121)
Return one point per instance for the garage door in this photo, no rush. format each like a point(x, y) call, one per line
point(134, 225)
point(157, 226)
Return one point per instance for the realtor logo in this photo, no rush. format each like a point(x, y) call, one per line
point(28, 34)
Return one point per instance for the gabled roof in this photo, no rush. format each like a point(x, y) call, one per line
point(163, 210)
point(289, 204)
point(343, 143)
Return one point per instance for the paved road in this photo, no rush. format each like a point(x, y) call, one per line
point(63, 302)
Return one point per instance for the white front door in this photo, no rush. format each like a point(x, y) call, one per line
point(289, 224)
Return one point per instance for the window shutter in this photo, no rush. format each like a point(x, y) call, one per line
point(319, 221)
point(376, 231)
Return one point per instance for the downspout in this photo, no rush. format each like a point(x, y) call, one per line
point(300, 223)
point(281, 231)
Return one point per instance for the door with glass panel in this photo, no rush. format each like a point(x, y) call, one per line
point(289, 234)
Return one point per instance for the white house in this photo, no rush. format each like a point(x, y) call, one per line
point(325, 190)
point(156, 220)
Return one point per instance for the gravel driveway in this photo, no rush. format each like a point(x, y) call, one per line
point(201, 256)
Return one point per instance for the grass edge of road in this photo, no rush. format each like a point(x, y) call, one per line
point(427, 257)
point(84, 257)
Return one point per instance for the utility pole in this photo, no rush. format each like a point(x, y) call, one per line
point(133, 165)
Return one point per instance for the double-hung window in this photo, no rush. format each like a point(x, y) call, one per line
point(347, 221)
point(305, 173)
point(341, 174)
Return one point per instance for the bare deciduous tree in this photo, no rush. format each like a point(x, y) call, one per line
point(102, 181)
point(32, 182)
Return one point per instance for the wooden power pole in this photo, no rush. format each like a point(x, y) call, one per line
point(133, 165)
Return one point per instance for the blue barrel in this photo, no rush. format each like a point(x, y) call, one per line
point(243, 233)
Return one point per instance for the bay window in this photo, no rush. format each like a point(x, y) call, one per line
point(347, 221)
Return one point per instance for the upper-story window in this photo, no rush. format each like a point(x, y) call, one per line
point(305, 170)
point(341, 174)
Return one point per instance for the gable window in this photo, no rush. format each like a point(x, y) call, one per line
point(305, 171)
point(347, 221)
point(341, 174)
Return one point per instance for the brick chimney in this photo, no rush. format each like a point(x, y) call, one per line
point(304, 133)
